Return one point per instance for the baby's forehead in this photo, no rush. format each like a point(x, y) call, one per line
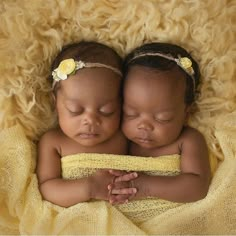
point(142, 71)
point(152, 79)
point(155, 87)
point(76, 96)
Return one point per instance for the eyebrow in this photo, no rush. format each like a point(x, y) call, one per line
point(169, 110)
point(67, 97)
point(74, 100)
point(70, 99)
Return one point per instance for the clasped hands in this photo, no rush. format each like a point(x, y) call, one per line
point(122, 188)
point(115, 186)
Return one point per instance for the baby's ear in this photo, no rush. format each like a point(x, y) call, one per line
point(188, 111)
point(54, 99)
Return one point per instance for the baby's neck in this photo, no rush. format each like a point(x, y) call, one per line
point(117, 144)
point(136, 150)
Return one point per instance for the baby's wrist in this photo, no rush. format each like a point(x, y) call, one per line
point(91, 187)
point(142, 186)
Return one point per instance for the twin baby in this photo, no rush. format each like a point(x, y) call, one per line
point(149, 96)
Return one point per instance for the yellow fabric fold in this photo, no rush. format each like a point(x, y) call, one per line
point(82, 161)
point(24, 212)
point(85, 164)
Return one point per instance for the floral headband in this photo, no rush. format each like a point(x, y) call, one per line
point(184, 62)
point(70, 66)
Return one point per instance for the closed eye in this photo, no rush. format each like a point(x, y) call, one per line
point(163, 120)
point(106, 113)
point(130, 115)
point(109, 109)
point(75, 113)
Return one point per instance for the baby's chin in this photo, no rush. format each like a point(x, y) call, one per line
point(87, 141)
point(91, 140)
point(148, 144)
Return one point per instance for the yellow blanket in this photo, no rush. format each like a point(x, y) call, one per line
point(81, 165)
point(23, 211)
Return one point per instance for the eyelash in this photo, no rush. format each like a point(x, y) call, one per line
point(75, 112)
point(106, 114)
point(136, 115)
point(162, 121)
point(130, 116)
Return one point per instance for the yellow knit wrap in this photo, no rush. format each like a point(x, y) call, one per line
point(23, 210)
point(85, 164)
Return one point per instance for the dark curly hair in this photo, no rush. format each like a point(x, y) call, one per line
point(164, 64)
point(88, 51)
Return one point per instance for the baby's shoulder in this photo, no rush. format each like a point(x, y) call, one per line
point(52, 137)
point(192, 136)
point(190, 132)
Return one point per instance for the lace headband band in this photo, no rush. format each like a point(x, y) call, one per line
point(184, 62)
point(70, 66)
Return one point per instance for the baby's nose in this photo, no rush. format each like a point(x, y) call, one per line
point(145, 125)
point(90, 118)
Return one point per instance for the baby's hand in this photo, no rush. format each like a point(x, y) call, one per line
point(98, 183)
point(121, 190)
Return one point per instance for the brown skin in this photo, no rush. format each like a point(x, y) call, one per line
point(154, 121)
point(88, 107)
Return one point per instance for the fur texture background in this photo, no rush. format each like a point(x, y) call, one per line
point(33, 32)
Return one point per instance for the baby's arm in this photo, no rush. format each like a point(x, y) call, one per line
point(52, 187)
point(68, 192)
point(190, 185)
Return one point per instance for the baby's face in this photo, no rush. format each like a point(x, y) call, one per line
point(88, 106)
point(154, 107)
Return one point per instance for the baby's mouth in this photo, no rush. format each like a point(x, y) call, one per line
point(88, 135)
point(143, 140)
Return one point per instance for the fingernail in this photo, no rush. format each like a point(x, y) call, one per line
point(109, 187)
point(135, 174)
point(134, 190)
point(126, 201)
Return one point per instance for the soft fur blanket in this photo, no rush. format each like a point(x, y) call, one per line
point(32, 33)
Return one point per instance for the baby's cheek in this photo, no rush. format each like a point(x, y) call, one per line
point(127, 127)
point(111, 125)
point(168, 134)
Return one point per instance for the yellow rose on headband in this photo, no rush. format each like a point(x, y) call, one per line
point(66, 68)
point(185, 62)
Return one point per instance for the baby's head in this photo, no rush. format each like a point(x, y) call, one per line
point(160, 84)
point(86, 79)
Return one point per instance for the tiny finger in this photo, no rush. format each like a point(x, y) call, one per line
point(124, 191)
point(126, 177)
point(119, 199)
